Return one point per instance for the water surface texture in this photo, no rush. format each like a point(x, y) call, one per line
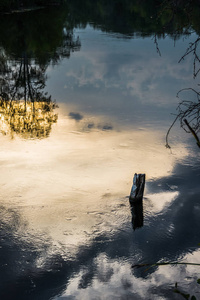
point(86, 101)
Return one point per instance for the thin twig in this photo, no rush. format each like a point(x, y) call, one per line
point(163, 264)
point(167, 144)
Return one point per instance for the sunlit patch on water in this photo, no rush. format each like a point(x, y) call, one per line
point(159, 201)
point(81, 179)
point(70, 193)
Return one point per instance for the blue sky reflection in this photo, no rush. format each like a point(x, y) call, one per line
point(128, 76)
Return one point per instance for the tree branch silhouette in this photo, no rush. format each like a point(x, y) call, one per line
point(193, 48)
point(188, 115)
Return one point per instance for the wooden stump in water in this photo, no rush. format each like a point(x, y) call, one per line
point(137, 189)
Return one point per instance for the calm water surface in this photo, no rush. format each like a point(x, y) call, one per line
point(67, 230)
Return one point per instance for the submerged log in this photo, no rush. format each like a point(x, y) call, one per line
point(137, 189)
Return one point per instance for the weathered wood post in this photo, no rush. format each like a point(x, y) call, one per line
point(137, 189)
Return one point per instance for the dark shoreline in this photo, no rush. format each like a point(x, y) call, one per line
point(29, 8)
point(22, 10)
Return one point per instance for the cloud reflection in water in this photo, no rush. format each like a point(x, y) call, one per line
point(65, 188)
point(70, 189)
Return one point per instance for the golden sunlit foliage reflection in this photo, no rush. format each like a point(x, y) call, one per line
point(28, 119)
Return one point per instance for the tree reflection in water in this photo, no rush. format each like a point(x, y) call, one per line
point(137, 214)
point(25, 108)
point(188, 115)
point(182, 17)
point(28, 119)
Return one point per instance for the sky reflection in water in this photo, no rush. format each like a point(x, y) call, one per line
point(64, 205)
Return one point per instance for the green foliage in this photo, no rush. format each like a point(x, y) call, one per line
point(126, 16)
point(38, 33)
point(132, 16)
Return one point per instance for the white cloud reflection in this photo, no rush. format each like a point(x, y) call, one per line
point(80, 173)
point(160, 201)
point(115, 279)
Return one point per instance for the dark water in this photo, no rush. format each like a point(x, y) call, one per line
point(88, 94)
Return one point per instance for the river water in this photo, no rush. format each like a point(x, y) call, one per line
point(67, 230)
